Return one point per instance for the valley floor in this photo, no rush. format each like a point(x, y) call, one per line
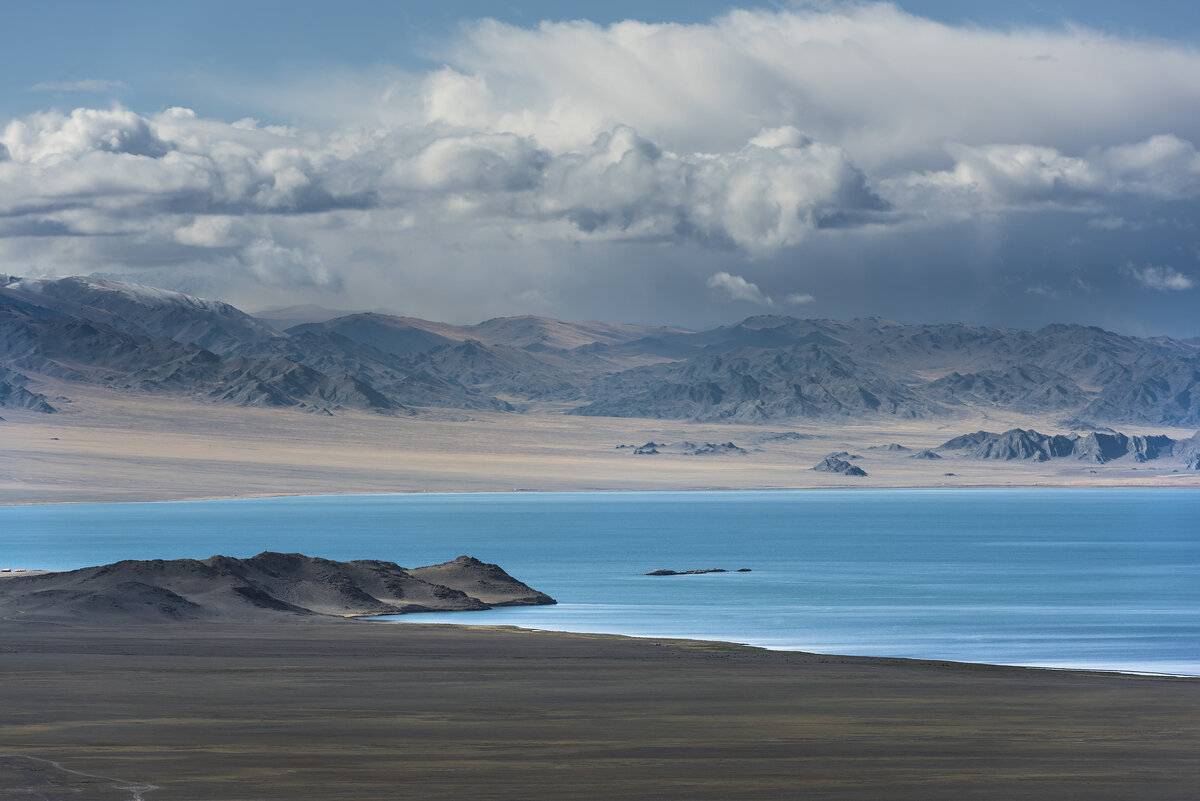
point(110, 446)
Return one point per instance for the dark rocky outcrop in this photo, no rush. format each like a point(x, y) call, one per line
point(1097, 447)
point(785, 436)
point(832, 464)
point(14, 395)
point(480, 580)
point(697, 572)
point(1016, 444)
point(686, 448)
point(267, 586)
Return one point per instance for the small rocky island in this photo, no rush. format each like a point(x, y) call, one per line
point(268, 587)
point(665, 572)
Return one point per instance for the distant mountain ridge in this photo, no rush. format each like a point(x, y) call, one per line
point(147, 311)
point(763, 369)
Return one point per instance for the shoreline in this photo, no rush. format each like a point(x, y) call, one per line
point(1097, 485)
point(793, 637)
point(766, 649)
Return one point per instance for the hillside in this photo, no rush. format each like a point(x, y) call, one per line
point(270, 586)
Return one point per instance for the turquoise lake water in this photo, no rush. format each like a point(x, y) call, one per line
point(1050, 577)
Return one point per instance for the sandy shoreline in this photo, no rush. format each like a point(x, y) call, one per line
point(350, 710)
point(611, 490)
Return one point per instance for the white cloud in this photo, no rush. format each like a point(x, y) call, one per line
point(886, 86)
point(721, 149)
point(1030, 177)
point(1164, 278)
point(214, 231)
point(734, 287)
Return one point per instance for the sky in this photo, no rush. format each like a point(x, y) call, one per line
point(1011, 163)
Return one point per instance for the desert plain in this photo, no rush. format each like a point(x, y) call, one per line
point(117, 446)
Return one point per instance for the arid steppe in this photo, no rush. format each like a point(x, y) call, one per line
point(116, 446)
point(348, 710)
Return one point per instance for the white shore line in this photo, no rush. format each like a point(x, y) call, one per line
point(754, 646)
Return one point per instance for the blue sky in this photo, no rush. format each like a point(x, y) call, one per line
point(1012, 163)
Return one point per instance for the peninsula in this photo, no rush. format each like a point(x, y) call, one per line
point(269, 587)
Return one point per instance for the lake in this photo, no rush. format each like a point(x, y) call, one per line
point(1091, 578)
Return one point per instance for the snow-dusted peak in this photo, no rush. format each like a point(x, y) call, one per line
point(145, 310)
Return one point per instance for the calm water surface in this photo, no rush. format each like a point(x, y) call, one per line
point(1049, 577)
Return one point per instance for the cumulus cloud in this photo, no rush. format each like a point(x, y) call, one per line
point(766, 195)
point(734, 287)
point(883, 84)
point(214, 231)
point(1009, 177)
point(703, 152)
point(1164, 278)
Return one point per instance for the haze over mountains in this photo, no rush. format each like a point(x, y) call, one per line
point(761, 370)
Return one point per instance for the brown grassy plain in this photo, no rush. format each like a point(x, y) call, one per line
point(363, 711)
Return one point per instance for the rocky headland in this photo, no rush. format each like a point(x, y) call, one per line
point(267, 587)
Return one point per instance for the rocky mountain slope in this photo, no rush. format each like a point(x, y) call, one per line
point(1096, 447)
point(144, 310)
point(14, 395)
point(757, 385)
point(78, 350)
point(270, 586)
point(762, 369)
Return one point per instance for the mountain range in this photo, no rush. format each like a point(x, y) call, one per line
point(763, 369)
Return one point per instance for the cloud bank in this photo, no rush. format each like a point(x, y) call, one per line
point(858, 153)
